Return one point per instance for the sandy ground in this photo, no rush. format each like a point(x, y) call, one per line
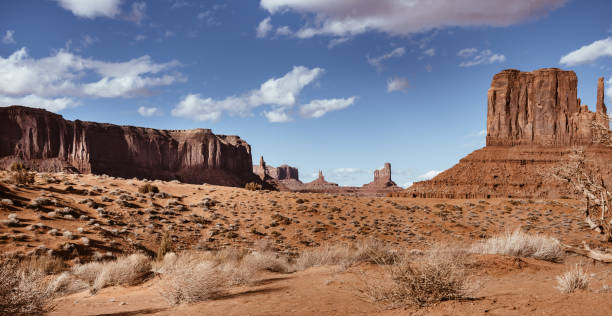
point(116, 219)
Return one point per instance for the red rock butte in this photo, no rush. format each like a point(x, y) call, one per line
point(47, 142)
point(534, 119)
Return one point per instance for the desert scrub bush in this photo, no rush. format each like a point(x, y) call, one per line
point(23, 292)
point(438, 275)
point(165, 246)
point(130, 270)
point(369, 250)
point(252, 186)
point(20, 174)
point(574, 279)
point(521, 244)
point(148, 188)
point(186, 279)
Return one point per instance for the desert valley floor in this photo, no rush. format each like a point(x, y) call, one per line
point(86, 217)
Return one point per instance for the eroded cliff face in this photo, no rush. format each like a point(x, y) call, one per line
point(47, 142)
point(534, 121)
point(537, 108)
point(382, 178)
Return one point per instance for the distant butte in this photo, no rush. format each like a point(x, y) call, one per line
point(534, 119)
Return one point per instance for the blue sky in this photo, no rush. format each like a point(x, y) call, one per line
point(342, 86)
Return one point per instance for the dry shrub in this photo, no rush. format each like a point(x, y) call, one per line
point(267, 260)
point(252, 186)
point(148, 188)
point(43, 264)
point(130, 270)
point(572, 280)
point(23, 292)
point(20, 174)
point(521, 244)
point(187, 278)
point(369, 250)
point(438, 275)
point(165, 246)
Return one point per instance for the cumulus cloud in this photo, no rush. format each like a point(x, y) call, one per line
point(351, 17)
point(397, 84)
point(588, 53)
point(277, 116)
point(92, 8)
point(8, 37)
point(65, 74)
point(474, 57)
point(146, 111)
point(280, 93)
point(318, 108)
point(264, 28)
point(378, 61)
point(430, 52)
point(429, 174)
point(51, 104)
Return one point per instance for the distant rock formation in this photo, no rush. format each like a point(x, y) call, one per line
point(382, 178)
point(534, 120)
point(284, 174)
point(47, 142)
point(320, 182)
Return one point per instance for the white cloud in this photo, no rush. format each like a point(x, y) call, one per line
point(475, 57)
point(430, 52)
point(92, 8)
point(397, 84)
point(284, 31)
point(377, 61)
point(277, 116)
point(282, 93)
point(146, 111)
point(138, 12)
point(264, 28)
point(140, 37)
point(408, 184)
point(482, 133)
point(51, 104)
point(588, 53)
point(8, 37)
point(318, 108)
point(337, 41)
point(351, 17)
point(428, 68)
point(429, 174)
point(467, 52)
point(68, 75)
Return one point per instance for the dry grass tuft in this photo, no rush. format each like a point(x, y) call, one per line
point(23, 292)
point(438, 275)
point(572, 280)
point(130, 270)
point(370, 250)
point(520, 244)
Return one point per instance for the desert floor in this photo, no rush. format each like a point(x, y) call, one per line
point(55, 213)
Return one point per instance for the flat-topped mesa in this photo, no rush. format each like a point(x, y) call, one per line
point(47, 142)
point(382, 177)
point(539, 108)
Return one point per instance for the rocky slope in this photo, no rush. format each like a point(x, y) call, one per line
point(48, 142)
point(534, 120)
